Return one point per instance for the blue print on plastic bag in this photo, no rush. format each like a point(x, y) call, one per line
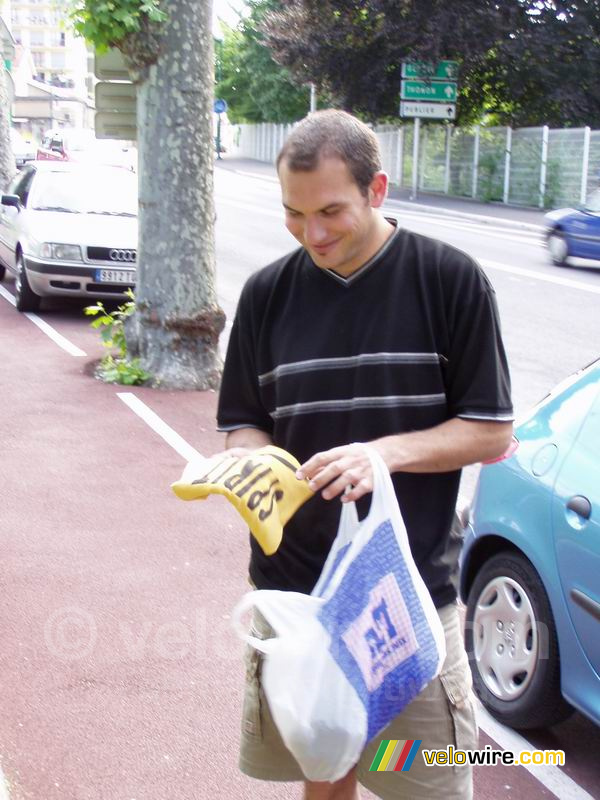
point(380, 636)
point(338, 558)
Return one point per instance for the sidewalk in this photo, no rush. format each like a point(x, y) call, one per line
point(426, 201)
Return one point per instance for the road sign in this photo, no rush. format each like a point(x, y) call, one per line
point(112, 96)
point(428, 110)
point(444, 70)
point(111, 66)
point(115, 125)
point(220, 106)
point(432, 91)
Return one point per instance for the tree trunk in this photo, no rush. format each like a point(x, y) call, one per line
point(7, 159)
point(178, 320)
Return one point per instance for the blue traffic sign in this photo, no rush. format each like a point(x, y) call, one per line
point(220, 106)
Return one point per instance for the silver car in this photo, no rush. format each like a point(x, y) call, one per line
point(69, 229)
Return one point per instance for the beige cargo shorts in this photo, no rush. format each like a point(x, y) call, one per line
point(443, 714)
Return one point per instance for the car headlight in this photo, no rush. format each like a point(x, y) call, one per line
point(61, 252)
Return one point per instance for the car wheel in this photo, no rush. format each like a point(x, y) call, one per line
point(26, 298)
point(511, 640)
point(2, 272)
point(558, 247)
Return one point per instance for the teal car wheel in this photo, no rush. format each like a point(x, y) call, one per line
point(512, 646)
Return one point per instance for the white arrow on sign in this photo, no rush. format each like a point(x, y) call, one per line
point(449, 92)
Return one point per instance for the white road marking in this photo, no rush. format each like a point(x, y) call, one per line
point(466, 216)
point(457, 224)
point(53, 334)
point(253, 208)
point(425, 210)
point(7, 296)
point(171, 437)
point(553, 778)
point(3, 787)
point(529, 273)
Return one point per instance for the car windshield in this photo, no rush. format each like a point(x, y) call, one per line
point(107, 191)
point(593, 202)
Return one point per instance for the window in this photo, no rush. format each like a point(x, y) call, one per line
point(57, 60)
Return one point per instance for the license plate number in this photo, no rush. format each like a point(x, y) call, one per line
point(115, 276)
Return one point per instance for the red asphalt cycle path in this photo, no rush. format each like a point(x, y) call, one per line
point(120, 673)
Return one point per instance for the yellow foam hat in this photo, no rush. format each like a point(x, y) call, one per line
point(261, 485)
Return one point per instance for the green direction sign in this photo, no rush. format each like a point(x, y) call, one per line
point(432, 91)
point(447, 70)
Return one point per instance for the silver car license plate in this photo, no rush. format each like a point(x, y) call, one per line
point(115, 276)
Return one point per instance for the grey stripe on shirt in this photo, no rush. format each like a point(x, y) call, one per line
point(314, 364)
point(389, 401)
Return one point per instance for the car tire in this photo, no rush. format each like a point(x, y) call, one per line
point(558, 248)
point(2, 272)
point(26, 298)
point(511, 641)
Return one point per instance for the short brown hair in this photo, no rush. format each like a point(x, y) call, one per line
point(333, 133)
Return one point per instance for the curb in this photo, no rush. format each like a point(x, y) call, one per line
point(485, 220)
point(448, 212)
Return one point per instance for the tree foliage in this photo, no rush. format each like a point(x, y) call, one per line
point(107, 23)
point(547, 72)
point(527, 61)
point(255, 87)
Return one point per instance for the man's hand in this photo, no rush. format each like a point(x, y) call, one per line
point(342, 469)
point(242, 441)
point(446, 447)
point(235, 452)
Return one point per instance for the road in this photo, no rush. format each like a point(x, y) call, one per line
point(120, 674)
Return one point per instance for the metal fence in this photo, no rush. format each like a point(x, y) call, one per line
point(539, 167)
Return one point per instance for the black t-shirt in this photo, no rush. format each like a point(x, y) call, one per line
point(316, 360)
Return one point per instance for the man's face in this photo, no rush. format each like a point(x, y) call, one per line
point(330, 217)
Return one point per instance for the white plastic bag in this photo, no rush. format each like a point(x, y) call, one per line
point(348, 658)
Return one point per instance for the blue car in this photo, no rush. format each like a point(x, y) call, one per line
point(574, 232)
point(530, 564)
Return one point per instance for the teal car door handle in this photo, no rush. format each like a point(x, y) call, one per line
point(580, 505)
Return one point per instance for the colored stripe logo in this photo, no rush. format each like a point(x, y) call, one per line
point(395, 755)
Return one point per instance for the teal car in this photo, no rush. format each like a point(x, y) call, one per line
point(530, 564)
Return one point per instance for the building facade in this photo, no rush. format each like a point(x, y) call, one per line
point(59, 57)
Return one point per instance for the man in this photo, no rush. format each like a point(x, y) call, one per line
point(366, 333)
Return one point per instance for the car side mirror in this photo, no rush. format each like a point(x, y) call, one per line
point(11, 200)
